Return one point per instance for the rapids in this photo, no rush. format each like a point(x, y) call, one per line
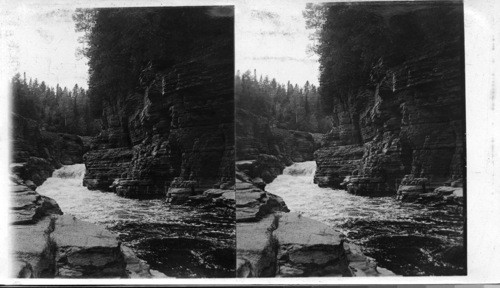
point(178, 241)
point(408, 239)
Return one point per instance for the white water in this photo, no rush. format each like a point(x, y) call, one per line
point(149, 227)
point(65, 186)
point(382, 226)
point(333, 207)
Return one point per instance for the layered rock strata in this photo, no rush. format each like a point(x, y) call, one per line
point(274, 243)
point(173, 137)
point(256, 135)
point(37, 153)
point(412, 123)
point(263, 150)
point(49, 244)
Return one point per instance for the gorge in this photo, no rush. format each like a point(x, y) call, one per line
point(389, 172)
point(156, 179)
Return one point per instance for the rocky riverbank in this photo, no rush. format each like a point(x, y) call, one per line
point(407, 122)
point(174, 135)
point(274, 243)
point(38, 153)
point(263, 150)
point(50, 244)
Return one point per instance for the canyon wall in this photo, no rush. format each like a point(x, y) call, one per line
point(263, 150)
point(274, 243)
point(36, 153)
point(409, 124)
point(176, 133)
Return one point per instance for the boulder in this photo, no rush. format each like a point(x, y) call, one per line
point(256, 249)
point(50, 245)
point(289, 245)
point(253, 203)
point(309, 247)
point(84, 250)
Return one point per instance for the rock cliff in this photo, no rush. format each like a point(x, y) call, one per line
point(37, 153)
point(263, 150)
point(412, 122)
point(175, 132)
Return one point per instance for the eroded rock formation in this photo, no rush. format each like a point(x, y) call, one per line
point(37, 153)
point(52, 245)
point(411, 123)
point(263, 150)
point(273, 243)
point(179, 128)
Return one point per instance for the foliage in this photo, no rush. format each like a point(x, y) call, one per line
point(56, 109)
point(359, 42)
point(127, 46)
point(287, 106)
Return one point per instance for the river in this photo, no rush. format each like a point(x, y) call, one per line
point(179, 241)
point(408, 239)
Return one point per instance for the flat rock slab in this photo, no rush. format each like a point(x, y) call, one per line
point(27, 206)
point(249, 198)
point(49, 245)
point(71, 232)
point(136, 268)
point(361, 266)
point(229, 195)
point(31, 247)
point(213, 193)
point(24, 200)
point(85, 250)
point(256, 252)
point(309, 248)
point(297, 230)
point(246, 214)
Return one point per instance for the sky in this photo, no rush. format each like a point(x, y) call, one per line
point(273, 40)
point(43, 43)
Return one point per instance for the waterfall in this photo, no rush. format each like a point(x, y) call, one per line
point(333, 206)
point(305, 169)
point(369, 221)
point(76, 171)
point(66, 187)
point(149, 226)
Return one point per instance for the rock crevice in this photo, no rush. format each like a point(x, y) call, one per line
point(179, 128)
point(274, 243)
point(50, 244)
point(409, 124)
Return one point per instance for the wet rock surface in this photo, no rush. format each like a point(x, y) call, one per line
point(265, 150)
point(431, 225)
point(202, 245)
point(255, 136)
point(273, 243)
point(191, 240)
point(177, 129)
point(42, 151)
point(49, 244)
point(411, 123)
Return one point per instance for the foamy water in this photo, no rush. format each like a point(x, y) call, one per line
point(179, 241)
point(378, 224)
point(65, 186)
point(334, 207)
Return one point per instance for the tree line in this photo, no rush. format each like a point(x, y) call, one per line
point(128, 48)
point(359, 43)
point(56, 109)
point(287, 106)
